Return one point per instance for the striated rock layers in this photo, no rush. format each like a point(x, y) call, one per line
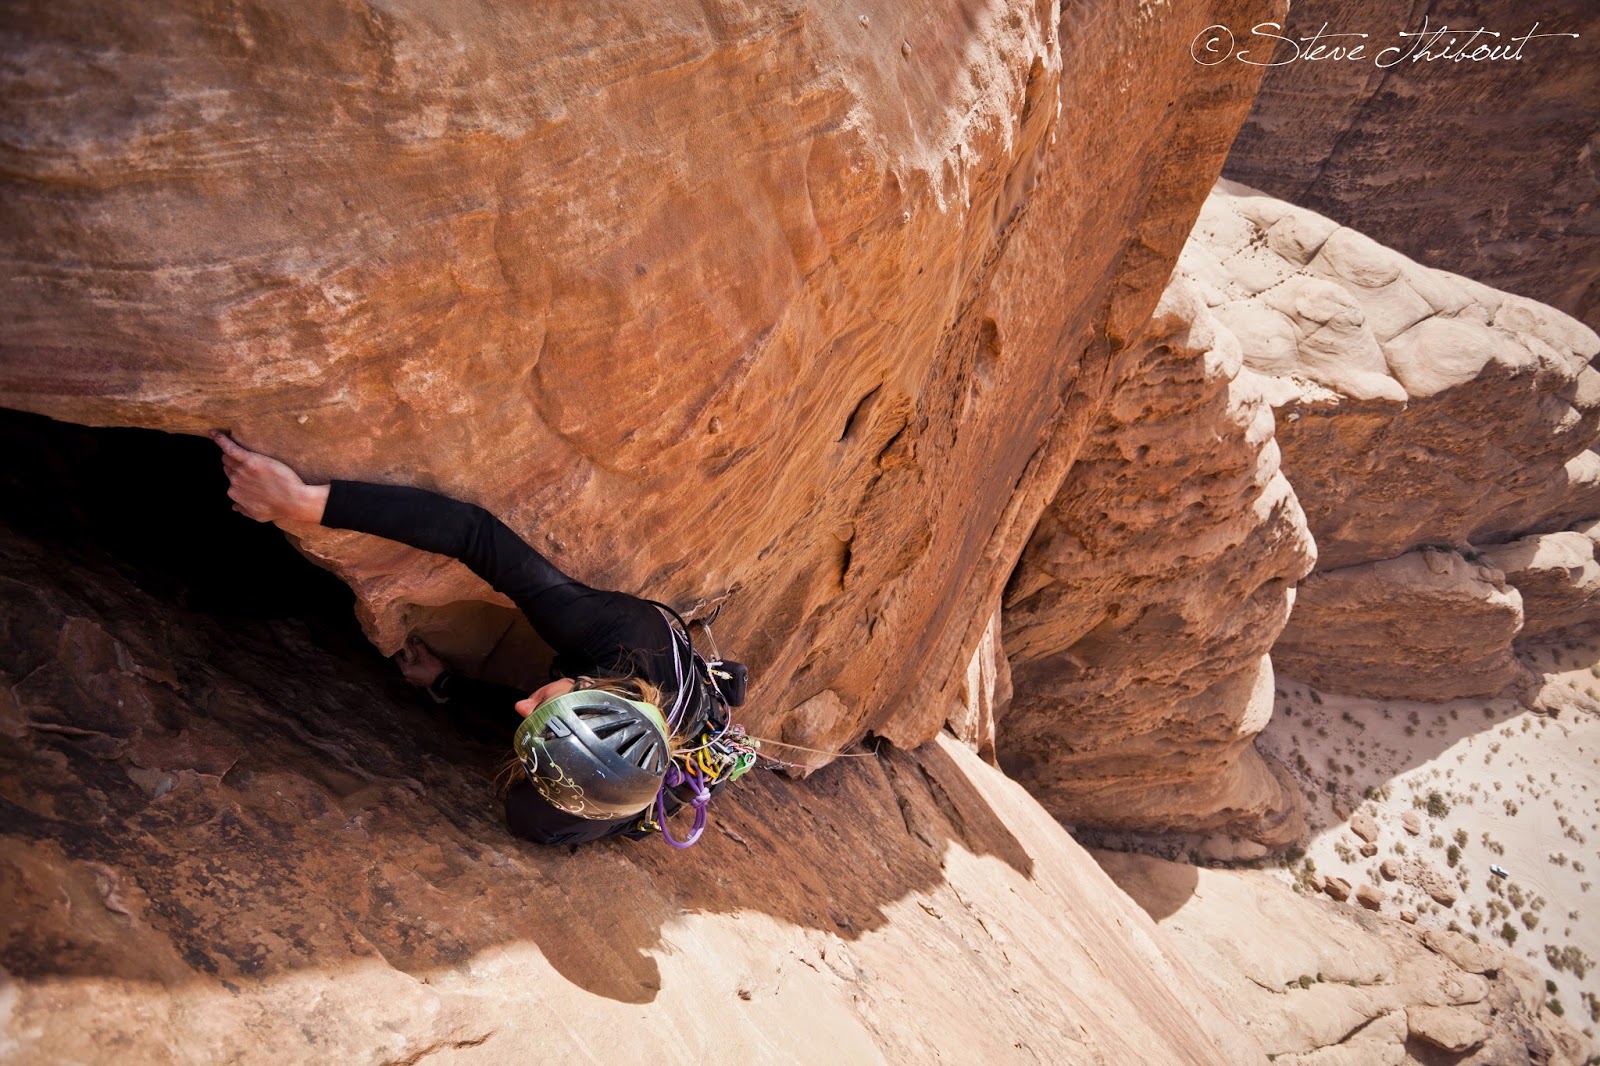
point(222, 842)
point(804, 309)
point(1140, 615)
point(1558, 578)
point(1331, 985)
point(1481, 167)
point(1429, 625)
point(1415, 410)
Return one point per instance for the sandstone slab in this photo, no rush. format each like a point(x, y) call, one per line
point(327, 879)
point(1468, 955)
point(1315, 982)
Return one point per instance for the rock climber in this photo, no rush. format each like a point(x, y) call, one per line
point(634, 722)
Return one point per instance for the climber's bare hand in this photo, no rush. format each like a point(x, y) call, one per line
point(265, 489)
point(418, 664)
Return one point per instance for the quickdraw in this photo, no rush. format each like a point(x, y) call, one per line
point(719, 757)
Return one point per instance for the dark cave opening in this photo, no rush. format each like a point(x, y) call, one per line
point(154, 506)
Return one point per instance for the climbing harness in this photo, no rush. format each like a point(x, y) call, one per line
point(717, 751)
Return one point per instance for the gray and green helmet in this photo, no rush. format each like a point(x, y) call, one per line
point(595, 754)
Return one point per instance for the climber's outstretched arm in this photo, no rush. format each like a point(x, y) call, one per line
point(269, 491)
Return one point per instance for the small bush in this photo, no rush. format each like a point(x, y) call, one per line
point(1508, 933)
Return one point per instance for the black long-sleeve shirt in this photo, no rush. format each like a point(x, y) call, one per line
point(593, 631)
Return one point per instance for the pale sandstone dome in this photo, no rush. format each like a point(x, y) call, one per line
point(1481, 168)
point(1423, 418)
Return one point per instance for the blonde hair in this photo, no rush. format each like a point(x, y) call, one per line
point(628, 686)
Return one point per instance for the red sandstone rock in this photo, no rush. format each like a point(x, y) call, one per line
point(1370, 897)
point(1368, 850)
point(1337, 887)
point(801, 320)
point(1411, 821)
point(1389, 869)
point(1409, 917)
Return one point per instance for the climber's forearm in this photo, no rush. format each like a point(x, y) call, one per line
point(310, 502)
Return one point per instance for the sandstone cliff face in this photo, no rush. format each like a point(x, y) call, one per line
point(223, 842)
point(1140, 615)
point(803, 309)
point(1482, 168)
point(1420, 415)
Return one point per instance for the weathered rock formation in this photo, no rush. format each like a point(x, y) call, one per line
point(1485, 168)
point(1429, 626)
point(1558, 579)
point(1139, 618)
point(806, 310)
point(1413, 406)
point(1415, 410)
point(1334, 984)
point(223, 842)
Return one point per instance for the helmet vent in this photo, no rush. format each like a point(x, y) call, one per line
point(607, 730)
point(643, 751)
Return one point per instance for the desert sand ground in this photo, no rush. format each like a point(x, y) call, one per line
point(1483, 784)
